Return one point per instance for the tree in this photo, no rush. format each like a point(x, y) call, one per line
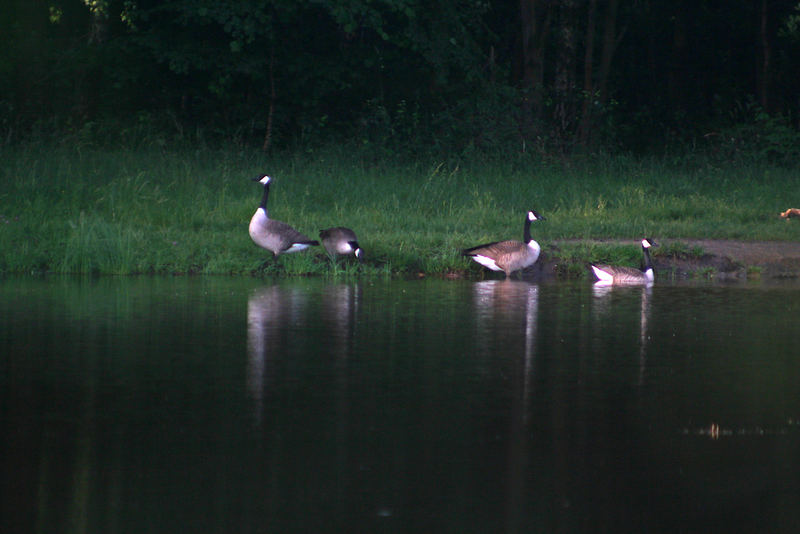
point(535, 18)
point(564, 96)
point(455, 74)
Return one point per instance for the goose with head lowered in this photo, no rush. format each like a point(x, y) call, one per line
point(608, 275)
point(275, 236)
point(341, 240)
point(509, 256)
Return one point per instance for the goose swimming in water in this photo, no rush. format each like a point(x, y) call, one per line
point(616, 275)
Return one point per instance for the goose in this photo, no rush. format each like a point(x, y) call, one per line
point(615, 275)
point(509, 256)
point(275, 236)
point(341, 240)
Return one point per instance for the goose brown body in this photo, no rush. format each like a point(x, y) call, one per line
point(340, 240)
point(275, 236)
point(509, 256)
point(622, 275)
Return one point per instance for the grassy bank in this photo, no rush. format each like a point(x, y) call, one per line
point(154, 211)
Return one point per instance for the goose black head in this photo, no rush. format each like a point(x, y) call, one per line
point(534, 216)
point(263, 179)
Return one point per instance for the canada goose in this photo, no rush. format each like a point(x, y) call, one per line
point(615, 275)
point(508, 256)
point(275, 236)
point(341, 240)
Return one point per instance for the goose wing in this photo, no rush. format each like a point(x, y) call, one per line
point(287, 235)
point(501, 255)
point(339, 232)
point(618, 274)
point(493, 250)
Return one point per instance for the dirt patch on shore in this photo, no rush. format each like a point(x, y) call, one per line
point(750, 252)
point(722, 259)
point(774, 259)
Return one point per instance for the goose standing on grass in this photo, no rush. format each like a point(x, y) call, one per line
point(509, 256)
point(608, 275)
point(275, 236)
point(341, 240)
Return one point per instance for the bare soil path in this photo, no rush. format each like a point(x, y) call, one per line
point(750, 252)
point(772, 258)
point(730, 259)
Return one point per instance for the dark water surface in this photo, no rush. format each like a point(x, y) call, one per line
point(241, 405)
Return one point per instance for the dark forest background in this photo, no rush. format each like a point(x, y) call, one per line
point(554, 77)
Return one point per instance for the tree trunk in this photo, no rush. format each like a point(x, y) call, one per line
point(764, 58)
point(270, 115)
point(534, 30)
point(89, 76)
point(676, 78)
point(564, 82)
point(28, 97)
point(588, 84)
point(610, 42)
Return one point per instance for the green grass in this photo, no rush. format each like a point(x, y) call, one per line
point(129, 211)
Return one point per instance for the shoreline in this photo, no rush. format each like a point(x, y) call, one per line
point(683, 259)
point(721, 259)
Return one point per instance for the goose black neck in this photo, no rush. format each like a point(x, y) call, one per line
point(647, 263)
point(527, 234)
point(264, 198)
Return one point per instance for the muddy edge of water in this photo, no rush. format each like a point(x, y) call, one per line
point(721, 259)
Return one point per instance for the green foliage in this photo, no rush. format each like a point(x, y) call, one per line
point(705, 272)
point(790, 29)
point(149, 210)
point(399, 78)
point(95, 246)
point(751, 135)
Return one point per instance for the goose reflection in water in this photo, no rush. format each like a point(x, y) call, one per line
point(339, 309)
point(278, 321)
point(272, 314)
point(603, 300)
point(507, 315)
point(508, 302)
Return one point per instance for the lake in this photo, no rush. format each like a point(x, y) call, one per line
point(201, 404)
